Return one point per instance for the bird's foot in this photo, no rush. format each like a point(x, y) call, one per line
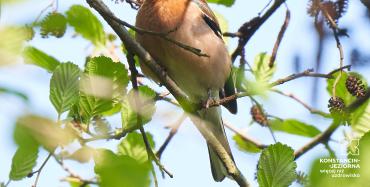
point(209, 100)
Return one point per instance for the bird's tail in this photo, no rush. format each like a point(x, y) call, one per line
point(212, 122)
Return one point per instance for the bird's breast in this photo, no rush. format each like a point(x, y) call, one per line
point(194, 74)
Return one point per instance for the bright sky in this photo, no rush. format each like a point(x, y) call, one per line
point(186, 156)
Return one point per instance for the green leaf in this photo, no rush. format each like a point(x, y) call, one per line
point(86, 24)
point(82, 155)
point(133, 146)
point(37, 57)
point(341, 90)
point(91, 106)
point(54, 24)
point(276, 167)
point(358, 165)
point(21, 135)
point(223, 2)
point(293, 126)
point(261, 68)
point(114, 71)
point(33, 130)
point(262, 74)
point(11, 44)
point(119, 170)
point(76, 182)
point(141, 104)
point(360, 119)
point(23, 162)
point(245, 146)
point(64, 87)
point(101, 126)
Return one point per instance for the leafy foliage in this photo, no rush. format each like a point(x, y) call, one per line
point(114, 71)
point(37, 57)
point(263, 74)
point(341, 90)
point(133, 146)
point(64, 87)
point(245, 146)
point(223, 2)
point(103, 87)
point(54, 24)
point(293, 126)
point(11, 42)
point(323, 179)
point(120, 170)
point(276, 166)
point(23, 162)
point(138, 104)
point(82, 155)
point(33, 130)
point(86, 24)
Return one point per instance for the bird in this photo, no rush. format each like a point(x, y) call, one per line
point(202, 78)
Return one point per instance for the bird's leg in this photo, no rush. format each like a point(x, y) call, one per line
point(210, 98)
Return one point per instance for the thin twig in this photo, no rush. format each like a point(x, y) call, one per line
point(151, 155)
point(118, 136)
point(40, 170)
point(154, 176)
point(272, 134)
point(248, 29)
point(245, 137)
point(305, 105)
point(307, 73)
point(159, 34)
point(324, 136)
point(280, 38)
point(72, 175)
point(174, 128)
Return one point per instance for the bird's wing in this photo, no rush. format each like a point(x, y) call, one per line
point(211, 20)
point(209, 17)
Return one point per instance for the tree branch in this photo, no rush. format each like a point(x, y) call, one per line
point(325, 136)
point(174, 129)
point(247, 30)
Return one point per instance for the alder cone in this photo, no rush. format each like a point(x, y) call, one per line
point(259, 116)
point(355, 86)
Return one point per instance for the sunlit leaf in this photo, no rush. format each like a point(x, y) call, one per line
point(43, 131)
point(261, 69)
point(223, 2)
point(114, 71)
point(262, 75)
point(86, 24)
point(119, 170)
point(11, 43)
point(37, 57)
point(276, 166)
point(293, 126)
point(341, 90)
point(82, 155)
point(245, 146)
point(101, 126)
point(23, 162)
point(64, 87)
point(141, 104)
point(54, 24)
point(133, 146)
